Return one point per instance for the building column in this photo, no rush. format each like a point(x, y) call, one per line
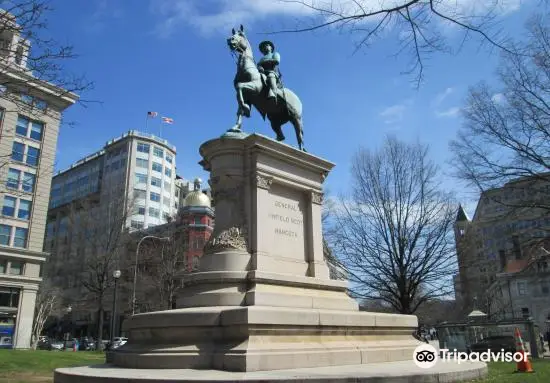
point(25, 317)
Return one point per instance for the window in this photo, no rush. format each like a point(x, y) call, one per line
point(168, 172)
point(139, 194)
point(20, 237)
point(144, 148)
point(9, 206)
point(29, 180)
point(142, 163)
point(36, 130)
point(158, 152)
point(141, 210)
point(141, 178)
point(3, 266)
point(525, 312)
point(169, 158)
point(27, 128)
point(166, 201)
point(157, 167)
point(156, 181)
point(13, 178)
point(154, 212)
point(136, 224)
point(18, 151)
point(32, 156)
point(167, 186)
point(154, 197)
point(114, 166)
point(197, 220)
point(166, 216)
point(9, 296)
point(22, 126)
point(522, 288)
point(24, 211)
point(5, 234)
point(16, 268)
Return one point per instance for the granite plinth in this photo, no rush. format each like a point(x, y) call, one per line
point(257, 338)
point(392, 372)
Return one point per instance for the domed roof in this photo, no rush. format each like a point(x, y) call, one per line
point(197, 197)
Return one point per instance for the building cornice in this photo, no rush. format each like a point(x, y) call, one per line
point(15, 252)
point(56, 95)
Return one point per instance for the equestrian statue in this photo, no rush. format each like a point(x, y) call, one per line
point(260, 86)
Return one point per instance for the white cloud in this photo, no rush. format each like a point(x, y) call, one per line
point(395, 113)
point(438, 99)
point(451, 112)
point(214, 16)
point(498, 98)
point(227, 14)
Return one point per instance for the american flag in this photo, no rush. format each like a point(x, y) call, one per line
point(152, 114)
point(167, 120)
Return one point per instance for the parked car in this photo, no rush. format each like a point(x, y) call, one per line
point(56, 345)
point(5, 342)
point(117, 342)
point(495, 344)
point(87, 344)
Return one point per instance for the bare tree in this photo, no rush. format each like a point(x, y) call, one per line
point(393, 236)
point(96, 244)
point(506, 134)
point(418, 23)
point(163, 266)
point(48, 303)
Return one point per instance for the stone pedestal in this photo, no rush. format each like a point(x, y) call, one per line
point(263, 299)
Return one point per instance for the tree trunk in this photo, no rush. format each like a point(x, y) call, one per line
point(99, 328)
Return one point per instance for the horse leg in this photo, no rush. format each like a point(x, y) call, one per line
point(239, 120)
point(277, 129)
point(298, 125)
point(244, 108)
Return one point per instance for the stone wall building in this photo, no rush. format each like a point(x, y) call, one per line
point(126, 186)
point(522, 289)
point(30, 115)
point(508, 223)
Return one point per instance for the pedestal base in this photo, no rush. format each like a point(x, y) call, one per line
point(260, 338)
point(395, 372)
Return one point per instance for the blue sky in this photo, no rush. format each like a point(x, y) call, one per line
point(171, 56)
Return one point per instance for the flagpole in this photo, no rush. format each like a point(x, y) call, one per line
point(160, 128)
point(146, 121)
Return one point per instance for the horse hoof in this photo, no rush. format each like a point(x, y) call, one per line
point(280, 138)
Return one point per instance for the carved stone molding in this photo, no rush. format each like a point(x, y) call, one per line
point(324, 176)
point(232, 238)
point(263, 181)
point(317, 198)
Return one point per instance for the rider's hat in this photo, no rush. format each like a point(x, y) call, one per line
point(263, 44)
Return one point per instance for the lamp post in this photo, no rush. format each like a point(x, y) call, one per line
point(116, 275)
point(162, 239)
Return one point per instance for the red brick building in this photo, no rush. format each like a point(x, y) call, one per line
point(197, 216)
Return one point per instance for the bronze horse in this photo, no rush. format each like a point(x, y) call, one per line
point(252, 90)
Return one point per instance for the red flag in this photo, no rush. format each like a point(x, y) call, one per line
point(167, 120)
point(152, 114)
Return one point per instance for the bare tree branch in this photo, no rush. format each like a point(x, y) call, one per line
point(419, 20)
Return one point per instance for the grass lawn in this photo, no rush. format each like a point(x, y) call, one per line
point(22, 366)
point(502, 372)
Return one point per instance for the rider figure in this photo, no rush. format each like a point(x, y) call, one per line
point(269, 66)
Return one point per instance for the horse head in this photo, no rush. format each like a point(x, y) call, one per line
point(239, 43)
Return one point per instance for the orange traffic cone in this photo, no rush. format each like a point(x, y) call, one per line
point(523, 365)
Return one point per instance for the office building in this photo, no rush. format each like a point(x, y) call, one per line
point(30, 115)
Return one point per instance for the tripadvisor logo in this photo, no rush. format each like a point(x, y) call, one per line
point(425, 356)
